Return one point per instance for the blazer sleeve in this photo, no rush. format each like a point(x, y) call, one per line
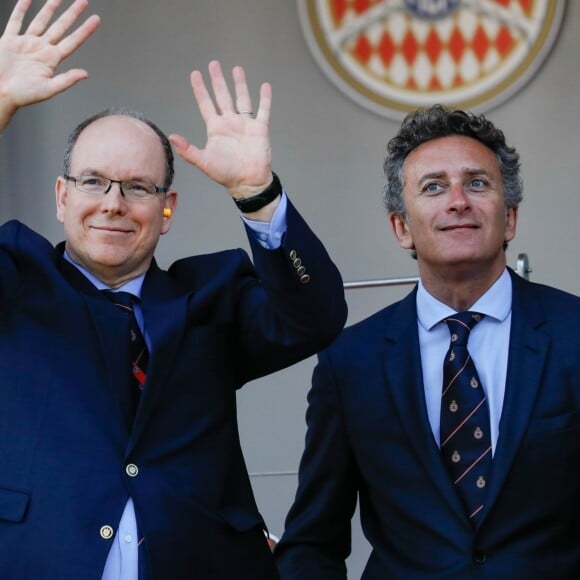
point(293, 305)
point(317, 536)
point(21, 250)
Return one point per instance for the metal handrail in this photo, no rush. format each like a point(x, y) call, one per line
point(523, 266)
point(384, 282)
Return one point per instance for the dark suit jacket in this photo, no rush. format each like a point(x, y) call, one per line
point(369, 434)
point(214, 323)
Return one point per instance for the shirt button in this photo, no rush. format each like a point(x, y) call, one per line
point(128, 538)
point(132, 470)
point(106, 532)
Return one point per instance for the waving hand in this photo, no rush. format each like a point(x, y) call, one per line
point(29, 59)
point(237, 153)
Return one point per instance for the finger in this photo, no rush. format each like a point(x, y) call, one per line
point(220, 88)
point(69, 44)
point(41, 20)
point(204, 103)
point(265, 106)
point(243, 99)
point(59, 27)
point(185, 149)
point(16, 19)
point(64, 81)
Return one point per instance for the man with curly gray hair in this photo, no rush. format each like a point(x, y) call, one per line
point(459, 452)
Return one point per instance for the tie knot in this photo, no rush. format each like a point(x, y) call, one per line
point(124, 300)
point(460, 325)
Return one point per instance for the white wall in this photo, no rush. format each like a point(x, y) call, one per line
point(328, 152)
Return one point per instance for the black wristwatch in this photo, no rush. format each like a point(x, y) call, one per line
point(256, 202)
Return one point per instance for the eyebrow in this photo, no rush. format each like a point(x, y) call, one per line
point(98, 173)
point(433, 175)
point(464, 170)
point(476, 171)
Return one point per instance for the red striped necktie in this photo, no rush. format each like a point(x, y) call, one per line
point(465, 438)
point(137, 346)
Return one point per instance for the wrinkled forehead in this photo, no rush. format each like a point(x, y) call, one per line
point(452, 152)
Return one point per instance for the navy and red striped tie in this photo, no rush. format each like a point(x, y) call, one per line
point(465, 438)
point(137, 346)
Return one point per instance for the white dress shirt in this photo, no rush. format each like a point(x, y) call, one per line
point(488, 346)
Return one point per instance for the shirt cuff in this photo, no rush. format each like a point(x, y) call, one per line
point(269, 234)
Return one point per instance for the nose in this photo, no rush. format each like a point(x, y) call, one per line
point(458, 199)
point(114, 201)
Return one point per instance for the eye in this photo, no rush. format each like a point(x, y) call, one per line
point(92, 181)
point(478, 183)
point(139, 188)
point(432, 188)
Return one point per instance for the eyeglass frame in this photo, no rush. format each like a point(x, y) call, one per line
point(158, 188)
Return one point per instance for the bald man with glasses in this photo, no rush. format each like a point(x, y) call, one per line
point(120, 456)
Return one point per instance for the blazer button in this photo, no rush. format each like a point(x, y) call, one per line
point(106, 532)
point(132, 470)
point(305, 279)
point(297, 263)
point(300, 271)
point(293, 254)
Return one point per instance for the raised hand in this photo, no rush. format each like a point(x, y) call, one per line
point(237, 153)
point(28, 60)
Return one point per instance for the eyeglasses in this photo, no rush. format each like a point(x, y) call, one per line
point(130, 188)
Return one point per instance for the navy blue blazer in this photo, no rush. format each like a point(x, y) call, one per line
point(215, 322)
point(369, 435)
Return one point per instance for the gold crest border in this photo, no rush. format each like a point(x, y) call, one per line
point(390, 108)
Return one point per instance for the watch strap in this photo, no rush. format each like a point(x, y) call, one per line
point(257, 202)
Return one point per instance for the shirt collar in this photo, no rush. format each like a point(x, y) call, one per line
point(133, 286)
point(495, 303)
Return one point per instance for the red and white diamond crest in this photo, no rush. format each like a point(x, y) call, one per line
point(393, 56)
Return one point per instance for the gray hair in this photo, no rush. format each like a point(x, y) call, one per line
point(122, 112)
point(426, 124)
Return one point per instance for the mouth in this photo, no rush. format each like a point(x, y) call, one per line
point(112, 230)
point(459, 227)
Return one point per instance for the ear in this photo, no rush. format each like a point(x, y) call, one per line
point(61, 195)
point(170, 202)
point(401, 230)
point(511, 220)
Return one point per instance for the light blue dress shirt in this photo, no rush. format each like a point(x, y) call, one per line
point(488, 346)
point(123, 559)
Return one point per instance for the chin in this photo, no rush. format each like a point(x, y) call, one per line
point(110, 258)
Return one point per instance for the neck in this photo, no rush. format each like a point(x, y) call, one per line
point(113, 276)
point(459, 290)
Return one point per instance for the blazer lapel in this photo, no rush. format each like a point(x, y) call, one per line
point(528, 352)
point(110, 341)
point(165, 318)
point(404, 380)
